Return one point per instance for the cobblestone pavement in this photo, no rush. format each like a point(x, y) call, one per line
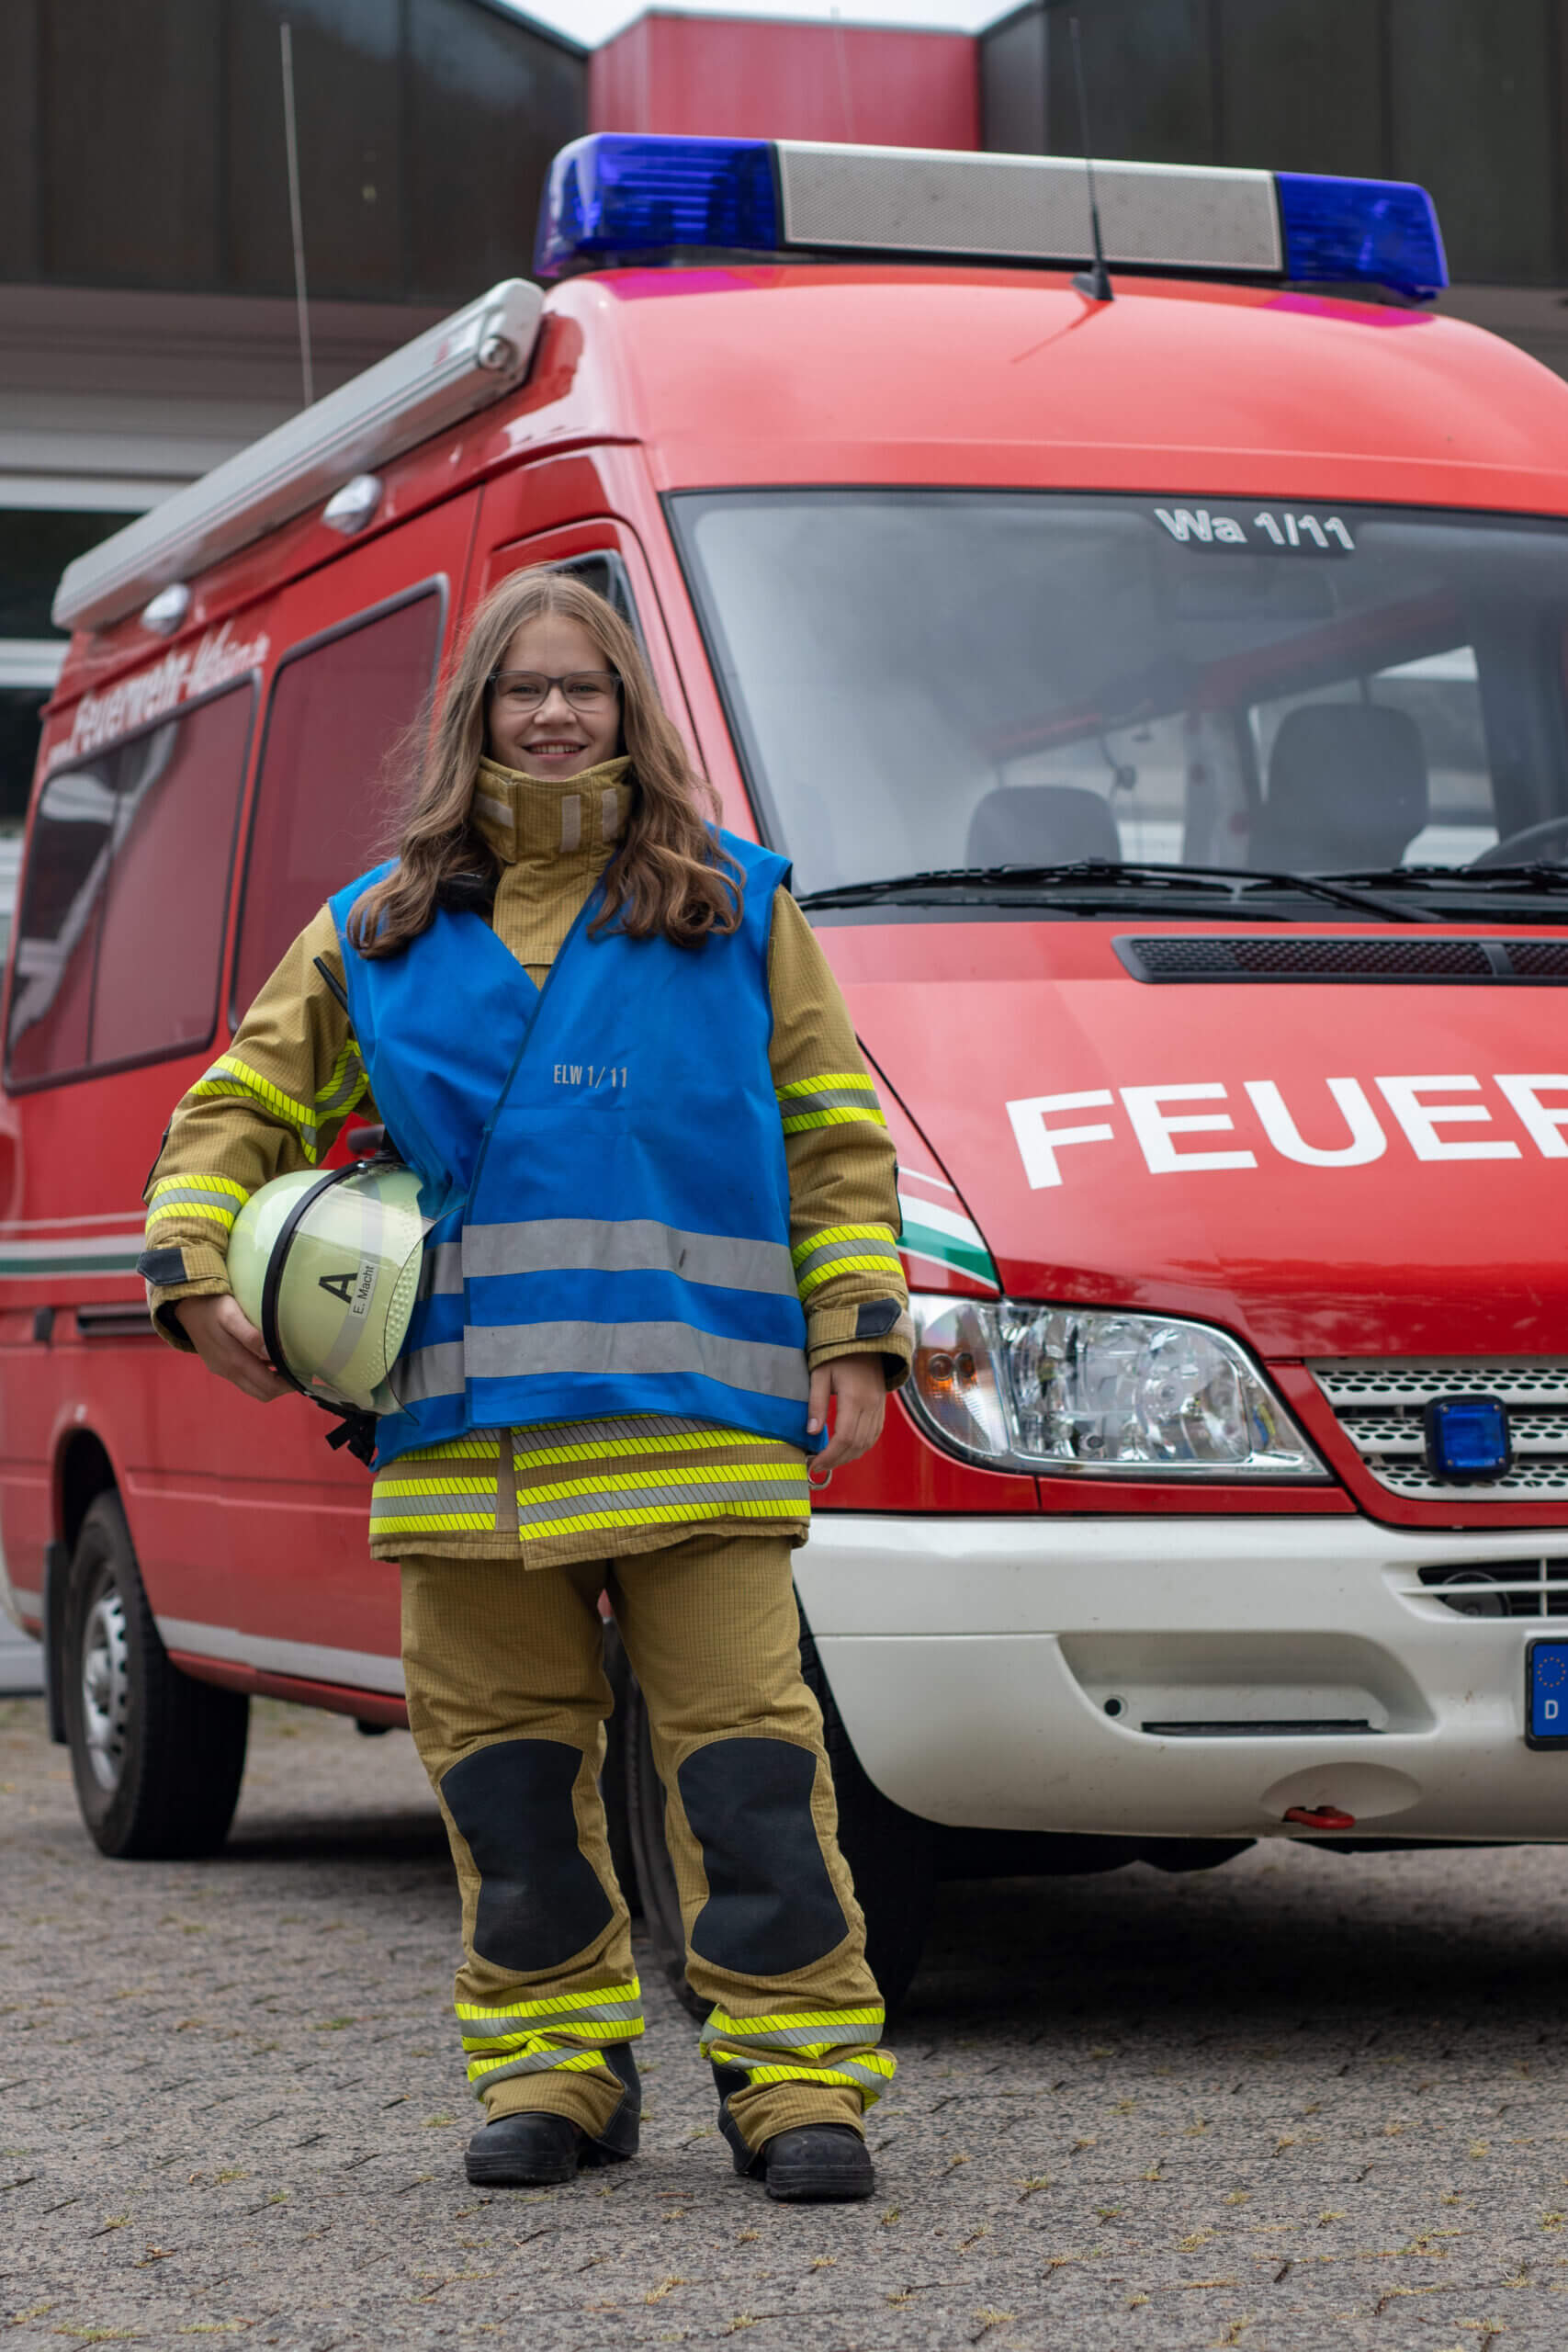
point(1304, 2101)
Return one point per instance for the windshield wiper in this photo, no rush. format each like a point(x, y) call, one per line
point(1090, 873)
point(1537, 875)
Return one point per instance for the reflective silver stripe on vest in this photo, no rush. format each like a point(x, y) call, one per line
point(627, 1245)
point(441, 1275)
point(512, 1351)
point(429, 1371)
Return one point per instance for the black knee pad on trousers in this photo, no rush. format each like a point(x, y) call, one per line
point(540, 1897)
point(770, 1906)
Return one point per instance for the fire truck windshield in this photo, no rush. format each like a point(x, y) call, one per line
point(923, 680)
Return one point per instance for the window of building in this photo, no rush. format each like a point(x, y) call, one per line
point(325, 803)
point(124, 898)
point(35, 545)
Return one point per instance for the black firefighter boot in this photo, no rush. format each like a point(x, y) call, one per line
point(816, 2163)
point(534, 2148)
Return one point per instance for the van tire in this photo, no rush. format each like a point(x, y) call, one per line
point(891, 1853)
point(156, 1756)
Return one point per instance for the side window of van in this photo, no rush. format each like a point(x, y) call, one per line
point(322, 808)
point(124, 898)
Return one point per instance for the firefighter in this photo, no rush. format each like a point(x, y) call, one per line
point(663, 1231)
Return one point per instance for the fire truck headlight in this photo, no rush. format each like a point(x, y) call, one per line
point(1060, 1388)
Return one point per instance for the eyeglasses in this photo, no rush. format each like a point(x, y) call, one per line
point(587, 690)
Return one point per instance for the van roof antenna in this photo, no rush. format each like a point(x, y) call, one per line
point(1095, 282)
point(296, 217)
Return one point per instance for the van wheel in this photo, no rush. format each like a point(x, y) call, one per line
point(157, 1758)
point(891, 1853)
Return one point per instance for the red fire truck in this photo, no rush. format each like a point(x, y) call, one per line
point(1164, 702)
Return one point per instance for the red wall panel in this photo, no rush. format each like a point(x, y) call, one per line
point(757, 78)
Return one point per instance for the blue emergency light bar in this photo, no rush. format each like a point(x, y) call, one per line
point(618, 198)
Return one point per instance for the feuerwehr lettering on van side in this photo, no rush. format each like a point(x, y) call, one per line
point(1414, 1105)
point(150, 694)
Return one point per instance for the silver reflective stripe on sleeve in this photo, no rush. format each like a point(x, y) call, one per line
point(512, 1351)
point(830, 1098)
point(428, 1371)
point(629, 1245)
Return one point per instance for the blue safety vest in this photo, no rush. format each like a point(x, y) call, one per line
point(603, 1158)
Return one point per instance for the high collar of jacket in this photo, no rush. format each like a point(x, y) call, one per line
point(529, 817)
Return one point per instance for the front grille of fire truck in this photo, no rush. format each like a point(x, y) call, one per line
point(1380, 1409)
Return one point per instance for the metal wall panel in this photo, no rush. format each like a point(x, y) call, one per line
point(1148, 67)
point(1470, 97)
point(1012, 84)
point(1301, 84)
point(348, 103)
point(141, 144)
point(131, 129)
point(490, 102)
point(19, 113)
point(1474, 119)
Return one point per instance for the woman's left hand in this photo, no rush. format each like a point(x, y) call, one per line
point(858, 1384)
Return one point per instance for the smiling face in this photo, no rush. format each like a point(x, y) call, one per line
point(556, 737)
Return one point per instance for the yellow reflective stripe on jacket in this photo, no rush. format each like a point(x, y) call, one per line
point(462, 1503)
point(216, 1198)
point(658, 1514)
point(346, 1084)
point(830, 1100)
point(632, 1433)
point(229, 1076)
point(681, 1491)
point(845, 1250)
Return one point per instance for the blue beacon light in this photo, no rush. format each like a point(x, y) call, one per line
point(616, 194)
point(1379, 232)
point(1468, 1438)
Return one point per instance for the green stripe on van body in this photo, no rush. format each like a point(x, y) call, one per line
point(946, 1236)
point(104, 1253)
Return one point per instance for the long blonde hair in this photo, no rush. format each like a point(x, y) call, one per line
point(669, 873)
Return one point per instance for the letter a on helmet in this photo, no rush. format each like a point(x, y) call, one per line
point(327, 1268)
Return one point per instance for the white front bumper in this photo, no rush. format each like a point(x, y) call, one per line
point(973, 1661)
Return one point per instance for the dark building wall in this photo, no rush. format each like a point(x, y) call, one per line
point(1468, 97)
point(141, 144)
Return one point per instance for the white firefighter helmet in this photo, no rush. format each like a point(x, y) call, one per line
point(327, 1268)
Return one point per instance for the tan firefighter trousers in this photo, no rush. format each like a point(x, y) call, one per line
point(507, 1701)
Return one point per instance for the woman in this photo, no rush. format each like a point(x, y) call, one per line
point(665, 1242)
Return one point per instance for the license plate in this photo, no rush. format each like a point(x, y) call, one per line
point(1546, 1694)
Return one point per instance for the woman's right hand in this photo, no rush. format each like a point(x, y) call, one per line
point(229, 1345)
